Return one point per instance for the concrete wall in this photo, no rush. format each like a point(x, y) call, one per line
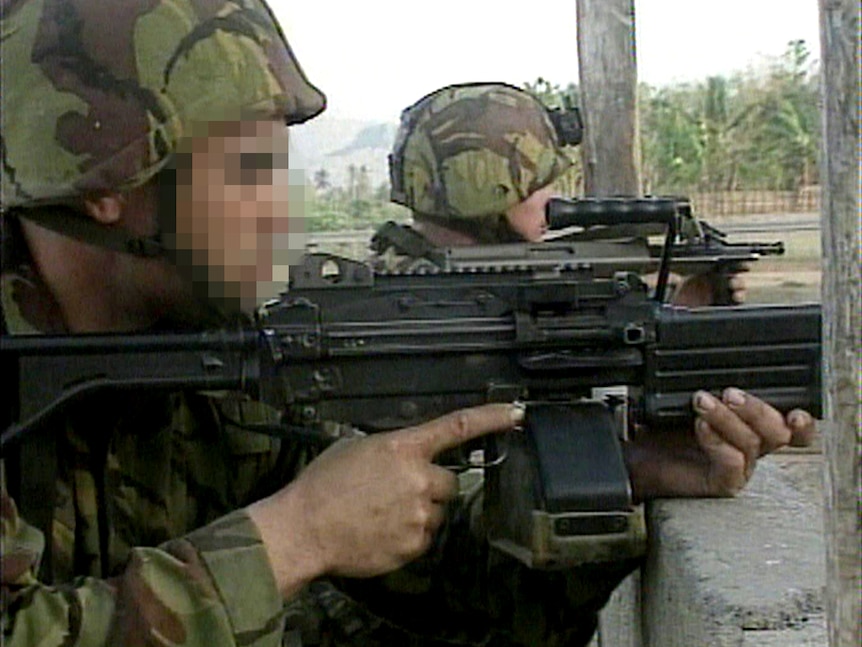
point(742, 572)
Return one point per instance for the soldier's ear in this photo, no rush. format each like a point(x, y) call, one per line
point(106, 209)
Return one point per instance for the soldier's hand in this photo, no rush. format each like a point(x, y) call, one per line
point(367, 506)
point(718, 459)
point(719, 286)
point(737, 430)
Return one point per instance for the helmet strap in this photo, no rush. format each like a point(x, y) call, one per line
point(71, 222)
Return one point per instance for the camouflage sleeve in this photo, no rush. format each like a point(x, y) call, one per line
point(466, 592)
point(211, 587)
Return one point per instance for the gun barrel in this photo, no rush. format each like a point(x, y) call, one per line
point(772, 352)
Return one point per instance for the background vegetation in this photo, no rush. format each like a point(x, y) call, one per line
point(737, 137)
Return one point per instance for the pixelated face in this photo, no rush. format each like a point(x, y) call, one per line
point(527, 218)
point(232, 219)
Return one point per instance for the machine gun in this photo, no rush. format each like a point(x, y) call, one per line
point(545, 324)
point(695, 246)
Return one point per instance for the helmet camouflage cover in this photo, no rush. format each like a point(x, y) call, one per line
point(96, 95)
point(473, 150)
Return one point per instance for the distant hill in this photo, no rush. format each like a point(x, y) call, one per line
point(335, 144)
point(375, 137)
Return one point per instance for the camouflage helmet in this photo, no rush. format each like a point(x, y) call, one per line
point(96, 95)
point(474, 150)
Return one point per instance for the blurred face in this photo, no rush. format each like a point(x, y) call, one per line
point(232, 212)
point(527, 218)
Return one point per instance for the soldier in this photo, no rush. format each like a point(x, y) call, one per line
point(144, 150)
point(143, 159)
point(476, 163)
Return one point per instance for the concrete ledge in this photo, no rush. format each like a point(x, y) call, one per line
point(740, 572)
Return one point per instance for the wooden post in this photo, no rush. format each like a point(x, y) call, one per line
point(610, 153)
point(842, 320)
point(608, 87)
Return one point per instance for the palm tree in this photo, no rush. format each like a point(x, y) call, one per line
point(788, 136)
point(321, 180)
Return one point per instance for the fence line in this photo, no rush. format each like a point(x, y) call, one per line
point(741, 203)
point(354, 244)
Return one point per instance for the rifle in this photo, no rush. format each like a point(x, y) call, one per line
point(545, 324)
point(695, 247)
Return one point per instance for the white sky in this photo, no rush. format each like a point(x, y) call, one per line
point(374, 57)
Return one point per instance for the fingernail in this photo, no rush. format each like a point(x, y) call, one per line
point(518, 412)
point(734, 397)
point(704, 401)
point(795, 419)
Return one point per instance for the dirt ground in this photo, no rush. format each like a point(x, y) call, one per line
point(785, 286)
point(791, 278)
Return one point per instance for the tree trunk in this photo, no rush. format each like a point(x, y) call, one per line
point(611, 163)
point(608, 88)
point(842, 322)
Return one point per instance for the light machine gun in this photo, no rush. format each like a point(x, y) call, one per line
point(546, 324)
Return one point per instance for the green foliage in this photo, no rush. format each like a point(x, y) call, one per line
point(785, 139)
point(356, 206)
point(553, 95)
point(751, 131)
point(332, 208)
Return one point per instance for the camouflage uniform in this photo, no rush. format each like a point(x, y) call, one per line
point(473, 150)
point(464, 154)
point(97, 96)
point(130, 568)
point(136, 475)
point(149, 543)
point(462, 157)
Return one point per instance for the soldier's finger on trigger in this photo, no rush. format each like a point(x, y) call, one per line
point(454, 429)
